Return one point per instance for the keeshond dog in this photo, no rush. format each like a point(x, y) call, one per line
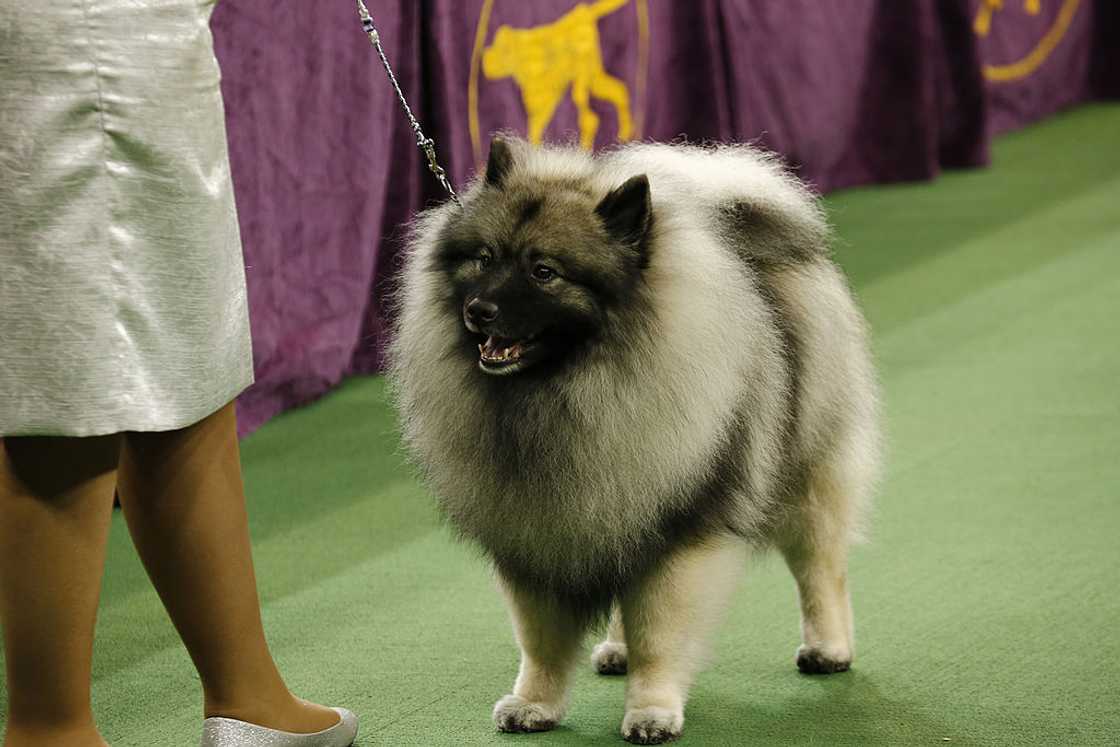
point(620, 373)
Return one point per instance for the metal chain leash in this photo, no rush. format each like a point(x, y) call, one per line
point(423, 142)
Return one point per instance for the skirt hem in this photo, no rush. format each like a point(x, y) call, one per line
point(128, 422)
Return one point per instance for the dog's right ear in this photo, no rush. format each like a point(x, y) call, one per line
point(626, 212)
point(498, 165)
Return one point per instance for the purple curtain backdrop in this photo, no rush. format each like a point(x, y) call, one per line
point(849, 91)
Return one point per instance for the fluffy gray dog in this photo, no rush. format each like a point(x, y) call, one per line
point(618, 373)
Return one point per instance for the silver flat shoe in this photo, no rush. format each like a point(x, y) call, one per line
point(229, 732)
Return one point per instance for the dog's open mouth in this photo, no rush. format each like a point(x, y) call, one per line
point(503, 355)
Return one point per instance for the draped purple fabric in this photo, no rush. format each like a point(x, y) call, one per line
point(849, 91)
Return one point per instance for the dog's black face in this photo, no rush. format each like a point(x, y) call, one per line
point(535, 264)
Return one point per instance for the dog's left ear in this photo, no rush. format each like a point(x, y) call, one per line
point(627, 211)
point(499, 163)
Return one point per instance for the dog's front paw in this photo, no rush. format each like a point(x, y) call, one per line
point(515, 714)
point(822, 661)
point(652, 725)
point(609, 657)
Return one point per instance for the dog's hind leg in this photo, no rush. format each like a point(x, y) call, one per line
point(549, 636)
point(668, 619)
point(815, 545)
point(609, 657)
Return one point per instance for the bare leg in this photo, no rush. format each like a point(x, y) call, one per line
point(609, 657)
point(668, 619)
point(182, 496)
point(549, 636)
point(56, 500)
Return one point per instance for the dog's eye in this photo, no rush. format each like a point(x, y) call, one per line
point(484, 258)
point(543, 273)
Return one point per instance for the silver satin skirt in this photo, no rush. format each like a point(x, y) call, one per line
point(122, 285)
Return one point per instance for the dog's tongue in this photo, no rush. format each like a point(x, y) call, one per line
point(499, 349)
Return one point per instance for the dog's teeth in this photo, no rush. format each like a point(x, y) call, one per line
point(491, 353)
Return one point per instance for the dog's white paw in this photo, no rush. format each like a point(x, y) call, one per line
point(515, 714)
point(652, 725)
point(823, 660)
point(609, 657)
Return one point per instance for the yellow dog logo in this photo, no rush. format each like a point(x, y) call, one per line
point(546, 61)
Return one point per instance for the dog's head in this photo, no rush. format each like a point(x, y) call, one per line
point(538, 257)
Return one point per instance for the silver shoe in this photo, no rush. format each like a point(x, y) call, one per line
point(229, 732)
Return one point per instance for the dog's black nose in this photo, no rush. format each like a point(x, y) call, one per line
point(481, 312)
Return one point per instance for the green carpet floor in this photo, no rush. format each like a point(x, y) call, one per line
point(987, 605)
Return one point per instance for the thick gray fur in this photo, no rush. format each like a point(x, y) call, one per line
point(729, 391)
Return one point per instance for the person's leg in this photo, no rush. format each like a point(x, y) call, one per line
point(56, 500)
point(182, 497)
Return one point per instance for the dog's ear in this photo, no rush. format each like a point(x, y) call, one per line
point(500, 161)
point(627, 211)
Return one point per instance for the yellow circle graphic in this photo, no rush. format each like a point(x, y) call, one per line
point(1028, 64)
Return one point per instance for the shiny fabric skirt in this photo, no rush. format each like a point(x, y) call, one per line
point(122, 285)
